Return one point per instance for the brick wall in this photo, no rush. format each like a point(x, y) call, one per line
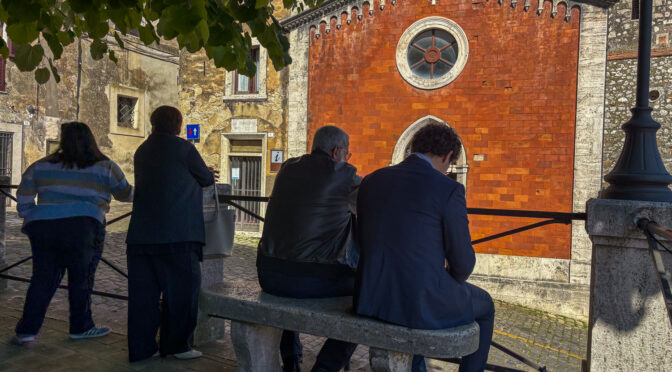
point(514, 101)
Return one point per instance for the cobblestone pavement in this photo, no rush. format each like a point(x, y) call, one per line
point(557, 342)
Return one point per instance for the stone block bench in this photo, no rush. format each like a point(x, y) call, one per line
point(257, 321)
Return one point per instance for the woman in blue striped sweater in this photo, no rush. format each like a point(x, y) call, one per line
point(66, 227)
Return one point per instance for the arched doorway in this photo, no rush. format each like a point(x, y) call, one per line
point(402, 149)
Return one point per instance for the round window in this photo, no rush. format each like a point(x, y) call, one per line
point(432, 53)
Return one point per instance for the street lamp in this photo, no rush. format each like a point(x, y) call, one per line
point(639, 173)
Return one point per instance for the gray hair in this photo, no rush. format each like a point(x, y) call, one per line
point(329, 137)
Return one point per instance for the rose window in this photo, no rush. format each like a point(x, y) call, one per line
point(432, 54)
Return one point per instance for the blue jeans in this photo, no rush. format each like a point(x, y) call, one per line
point(335, 354)
point(74, 244)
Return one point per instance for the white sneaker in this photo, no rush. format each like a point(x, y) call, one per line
point(190, 354)
point(20, 339)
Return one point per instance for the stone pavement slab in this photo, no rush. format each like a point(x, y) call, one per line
point(557, 342)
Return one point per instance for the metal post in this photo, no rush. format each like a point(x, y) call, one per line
point(639, 173)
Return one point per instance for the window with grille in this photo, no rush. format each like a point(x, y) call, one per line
point(126, 111)
point(246, 84)
point(6, 139)
point(635, 9)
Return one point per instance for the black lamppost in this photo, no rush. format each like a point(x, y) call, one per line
point(639, 173)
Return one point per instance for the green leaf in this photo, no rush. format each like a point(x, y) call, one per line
point(54, 71)
point(112, 57)
point(42, 75)
point(54, 45)
point(66, 38)
point(23, 33)
point(202, 31)
point(147, 34)
point(98, 49)
point(223, 57)
point(81, 6)
point(28, 57)
point(261, 4)
point(3, 14)
point(118, 39)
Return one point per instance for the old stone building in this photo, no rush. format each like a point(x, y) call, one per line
point(622, 76)
point(242, 121)
point(115, 100)
point(522, 83)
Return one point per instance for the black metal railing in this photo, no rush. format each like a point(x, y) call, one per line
point(549, 218)
point(26, 259)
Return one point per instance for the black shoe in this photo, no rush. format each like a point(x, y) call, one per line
point(291, 365)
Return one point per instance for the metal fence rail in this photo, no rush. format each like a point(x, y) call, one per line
point(549, 218)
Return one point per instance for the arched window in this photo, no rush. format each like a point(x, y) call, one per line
point(402, 149)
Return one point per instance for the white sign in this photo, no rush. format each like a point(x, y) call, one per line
point(277, 156)
point(235, 174)
point(243, 125)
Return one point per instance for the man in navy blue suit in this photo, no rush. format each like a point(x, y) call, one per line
point(416, 252)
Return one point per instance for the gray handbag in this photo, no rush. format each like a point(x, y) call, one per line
point(219, 230)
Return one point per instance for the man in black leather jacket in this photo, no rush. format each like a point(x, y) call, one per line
point(307, 246)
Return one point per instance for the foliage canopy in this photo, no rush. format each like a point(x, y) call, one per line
point(224, 28)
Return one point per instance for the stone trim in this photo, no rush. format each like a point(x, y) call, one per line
point(297, 116)
point(333, 9)
point(591, 82)
point(17, 150)
point(523, 268)
point(413, 31)
point(113, 92)
point(405, 139)
point(230, 84)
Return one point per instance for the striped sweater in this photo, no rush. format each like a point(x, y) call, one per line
point(63, 192)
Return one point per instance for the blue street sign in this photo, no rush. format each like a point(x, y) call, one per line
point(193, 131)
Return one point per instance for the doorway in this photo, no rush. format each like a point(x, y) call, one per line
point(245, 174)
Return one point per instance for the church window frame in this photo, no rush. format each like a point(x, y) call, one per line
point(432, 57)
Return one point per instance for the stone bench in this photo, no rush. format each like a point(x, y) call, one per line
point(257, 321)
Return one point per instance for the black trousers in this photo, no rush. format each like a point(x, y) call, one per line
point(174, 272)
point(335, 354)
point(74, 244)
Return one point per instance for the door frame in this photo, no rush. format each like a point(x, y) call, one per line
point(225, 163)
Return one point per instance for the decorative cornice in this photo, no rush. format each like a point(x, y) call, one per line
point(334, 9)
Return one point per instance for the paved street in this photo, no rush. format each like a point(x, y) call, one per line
point(557, 342)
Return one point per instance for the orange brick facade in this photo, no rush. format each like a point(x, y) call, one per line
point(514, 102)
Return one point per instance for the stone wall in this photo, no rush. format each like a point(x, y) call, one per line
point(622, 78)
point(203, 100)
point(88, 94)
point(621, 87)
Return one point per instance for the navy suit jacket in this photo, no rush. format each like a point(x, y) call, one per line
point(416, 252)
point(168, 202)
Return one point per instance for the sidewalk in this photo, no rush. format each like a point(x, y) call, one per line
point(557, 342)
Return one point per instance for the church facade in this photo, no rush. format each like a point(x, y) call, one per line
point(522, 84)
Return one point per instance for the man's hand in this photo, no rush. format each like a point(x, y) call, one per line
point(214, 172)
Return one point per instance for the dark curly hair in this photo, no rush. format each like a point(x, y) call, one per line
point(436, 139)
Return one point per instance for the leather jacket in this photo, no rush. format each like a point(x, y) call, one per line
point(309, 226)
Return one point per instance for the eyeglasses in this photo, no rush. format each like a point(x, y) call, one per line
point(347, 156)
